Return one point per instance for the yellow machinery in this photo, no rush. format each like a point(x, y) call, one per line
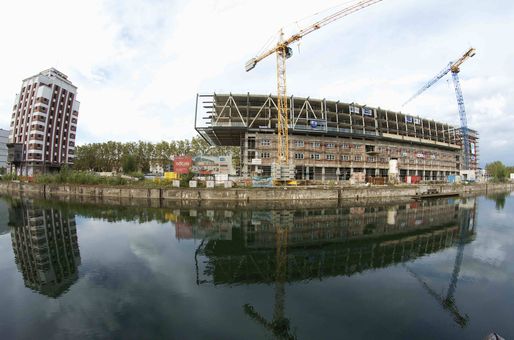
point(170, 175)
point(283, 51)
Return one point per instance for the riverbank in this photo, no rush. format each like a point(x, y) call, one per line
point(251, 194)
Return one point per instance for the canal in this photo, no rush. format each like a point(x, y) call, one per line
point(434, 269)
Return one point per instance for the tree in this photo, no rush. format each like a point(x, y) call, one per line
point(137, 156)
point(497, 171)
point(129, 164)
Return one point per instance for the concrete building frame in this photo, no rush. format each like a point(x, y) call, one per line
point(330, 140)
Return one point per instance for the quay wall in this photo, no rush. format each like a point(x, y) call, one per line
point(250, 194)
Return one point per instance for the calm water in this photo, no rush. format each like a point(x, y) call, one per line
point(436, 269)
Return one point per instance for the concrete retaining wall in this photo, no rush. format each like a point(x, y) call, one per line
point(247, 195)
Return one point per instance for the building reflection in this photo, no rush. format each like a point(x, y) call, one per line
point(284, 246)
point(239, 246)
point(45, 247)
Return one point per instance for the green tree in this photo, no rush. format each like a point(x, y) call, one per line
point(129, 164)
point(497, 170)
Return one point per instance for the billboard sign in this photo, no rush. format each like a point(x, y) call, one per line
point(473, 148)
point(318, 124)
point(182, 164)
point(367, 111)
point(262, 182)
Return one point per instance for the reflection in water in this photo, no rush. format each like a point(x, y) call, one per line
point(252, 246)
point(45, 247)
point(499, 199)
point(292, 245)
point(467, 220)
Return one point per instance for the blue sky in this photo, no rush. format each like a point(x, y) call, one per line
point(139, 64)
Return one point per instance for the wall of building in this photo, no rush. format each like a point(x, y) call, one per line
point(337, 158)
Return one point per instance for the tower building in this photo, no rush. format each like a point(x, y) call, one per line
point(43, 124)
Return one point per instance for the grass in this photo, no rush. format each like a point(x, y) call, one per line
point(79, 177)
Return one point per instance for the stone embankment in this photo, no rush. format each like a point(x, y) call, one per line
point(251, 194)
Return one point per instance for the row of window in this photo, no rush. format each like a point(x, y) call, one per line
point(315, 144)
point(330, 157)
point(390, 150)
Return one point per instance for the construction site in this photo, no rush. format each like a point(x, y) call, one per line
point(331, 140)
point(291, 140)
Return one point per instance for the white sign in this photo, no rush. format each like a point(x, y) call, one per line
point(367, 112)
point(256, 161)
point(221, 177)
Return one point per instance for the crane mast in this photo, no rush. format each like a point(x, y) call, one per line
point(283, 52)
point(454, 68)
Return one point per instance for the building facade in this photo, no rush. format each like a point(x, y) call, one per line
point(331, 140)
point(43, 124)
point(4, 139)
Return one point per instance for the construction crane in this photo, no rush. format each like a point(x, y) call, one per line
point(283, 52)
point(454, 67)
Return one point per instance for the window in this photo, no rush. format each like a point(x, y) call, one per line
point(330, 157)
point(299, 143)
point(265, 142)
point(358, 158)
point(345, 157)
point(315, 144)
point(298, 156)
point(372, 159)
point(265, 155)
point(330, 145)
point(370, 148)
point(357, 146)
point(314, 155)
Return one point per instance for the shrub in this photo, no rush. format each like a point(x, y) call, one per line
point(8, 177)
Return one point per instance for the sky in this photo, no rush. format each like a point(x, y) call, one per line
point(138, 65)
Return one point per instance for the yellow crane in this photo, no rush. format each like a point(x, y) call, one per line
point(283, 52)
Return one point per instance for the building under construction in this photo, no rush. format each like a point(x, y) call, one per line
point(332, 140)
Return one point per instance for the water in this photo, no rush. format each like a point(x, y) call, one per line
point(435, 269)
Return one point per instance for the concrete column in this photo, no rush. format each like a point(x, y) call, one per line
point(323, 174)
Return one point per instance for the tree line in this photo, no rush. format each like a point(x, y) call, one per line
point(137, 156)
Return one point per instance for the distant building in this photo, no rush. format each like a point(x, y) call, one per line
point(213, 165)
point(43, 124)
point(159, 166)
point(4, 139)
